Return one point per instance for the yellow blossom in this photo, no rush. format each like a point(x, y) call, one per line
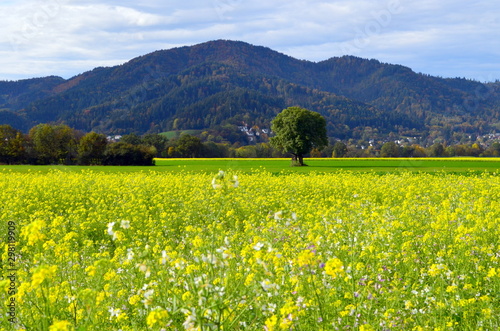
point(61, 326)
point(42, 274)
point(33, 232)
point(334, 268)
point(306, 258)
point(134, 299)
point(366, 327)
point(451, 288)
point(157, 317)
point(271, 323)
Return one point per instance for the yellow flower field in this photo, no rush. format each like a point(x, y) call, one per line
point(239, 251)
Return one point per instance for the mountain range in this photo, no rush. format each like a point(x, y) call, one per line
point(226, 82)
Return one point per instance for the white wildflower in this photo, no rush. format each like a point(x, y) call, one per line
point(214, 184)
point(144, 268)
point(130, 254)
point(267, 285)
point(110, 228)
point(258, 246)
point(190, 322)
point(164, 257)
point(114, 312)
point(148, 294)
point(148, 297)
point(236, 183)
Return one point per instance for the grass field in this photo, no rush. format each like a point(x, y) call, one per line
point(378, 165)
point(178, 133)
point(334, 165)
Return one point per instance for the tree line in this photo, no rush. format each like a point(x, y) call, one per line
point(392, 149)
point(60, 144)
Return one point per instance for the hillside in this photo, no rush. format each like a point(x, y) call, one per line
point(228, 82)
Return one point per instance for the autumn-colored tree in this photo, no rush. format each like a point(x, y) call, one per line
point(54, 143)
point(339, 149)
point(12, 142)
point(390, 149)
point(189, 146)
point(158, 141)
point(91, 148)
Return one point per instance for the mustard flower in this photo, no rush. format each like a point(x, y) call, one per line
point(334, 268)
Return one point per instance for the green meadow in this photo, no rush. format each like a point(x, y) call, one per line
point(378, 165)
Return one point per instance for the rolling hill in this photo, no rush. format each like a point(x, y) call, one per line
point(230, 82)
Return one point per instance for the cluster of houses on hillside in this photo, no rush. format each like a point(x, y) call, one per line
point(254, 133)
point(492, 136)
point(114, 138)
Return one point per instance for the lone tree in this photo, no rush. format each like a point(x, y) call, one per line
point(298, 130)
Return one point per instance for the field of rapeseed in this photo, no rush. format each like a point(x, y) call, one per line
point(164, 251)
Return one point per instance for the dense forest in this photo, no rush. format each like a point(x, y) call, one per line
point(228, 84)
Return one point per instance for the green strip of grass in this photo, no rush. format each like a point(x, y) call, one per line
point(177, 134)
point(332, 165)
point(458, 165)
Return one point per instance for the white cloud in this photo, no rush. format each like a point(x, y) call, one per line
point(67, 37)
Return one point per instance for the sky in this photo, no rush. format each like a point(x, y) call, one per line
point(459, 38)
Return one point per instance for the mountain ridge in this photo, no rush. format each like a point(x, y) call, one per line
point(232, 82)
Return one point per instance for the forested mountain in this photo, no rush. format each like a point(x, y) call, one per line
point(228, 82)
